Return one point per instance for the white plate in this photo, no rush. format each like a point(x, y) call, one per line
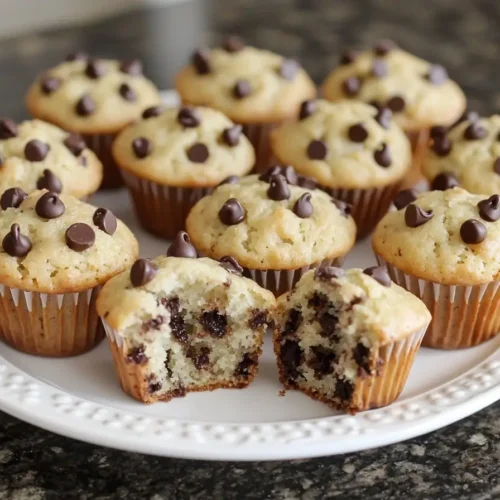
point(80, 397)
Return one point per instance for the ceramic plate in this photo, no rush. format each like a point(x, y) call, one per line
point(80, 397)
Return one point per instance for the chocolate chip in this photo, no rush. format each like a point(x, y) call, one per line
point(198, 153)
point(361, 355)
point(105, 220)
point(329, 322)
point(136, 355)
point(49, 181)
point(344, 208)
point(232, 179)
point(307, 108)
point(230, 264)
point(201, 358)
point(12, 198)
point(318, 301)
point(142, 147)
point(344, 389)
point(321, 361)
point(489, 209)
point(231, 213)
point(188, 117)
point(288, 172)
point(80, 237)
point(437, 74)
point(328, 273)
point(475, 131)
point(278, 188)
point(383, 156)
point(154, 387)
point(317, 150)
point(49, 84)
point(36, 150)
point(152, 111)
point(383, 47)
point(241, 89)
point(303, 207)
point(143, 271)
point(379, 68)
point(85, 106)
point(380, 274)
point(496, 166)
point(201, 61)
point(351, 86)
point(75, 144)
point(358, 133)
point(95, 69)
point(131, 67)
point(288, 69)
point(404, 198)
point(384, 117)
point(444, 181)
point(15, 243)
point(127, 92)
point(176, 324)
point(416, 216)
point(473, 232)
point(306, 182)
point(8, 128)
point(348, 57)
point(258, 319)
point(396, 104)
point(214, 323)
point(293, 322)
point(231, 136)
point(467, 115)
point(291, 356)
point(438, 131)
point(233, 44)
point(182, 247)
point(441, 145)
point(49, 206)
point(246, 365)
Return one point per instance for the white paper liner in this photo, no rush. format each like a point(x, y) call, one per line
point(101, 145)
point(258, 135)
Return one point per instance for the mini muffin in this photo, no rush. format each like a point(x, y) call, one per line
point(443, 247)
point(340, 340)
point(95, 98)
point(467, 155)
point(56, 254)
point(354, 151)
point(37, 155)
point(273, 227)
point(179, 324)
point(420, 94)
point(174, 157)
point(255, 88)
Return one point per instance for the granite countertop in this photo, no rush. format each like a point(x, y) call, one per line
point(458, 462)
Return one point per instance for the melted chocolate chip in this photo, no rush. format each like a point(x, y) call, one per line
point(246, 365)
point(85, 106)
point(496, 166)
point(293, 322)
point(383, 156)
point(198, 153)
point(49, 181)
point(15, 243)
point(142, 147)
point(176, 324)
point(303, 207)
point(232, 179)
point(258, 319)
point(379, 68)
point(321, 361)
point(475, 131)
point(416, 216)
point(328, 273)
point(95, 69)
point(105, 220)
point(231, 136)
point(383, 47)
point(379, 274)
point(489, 209)
point(437, 74)
point(438, 131)
point(288, 69)
point(348, 57)
point(344, 389)
point(77, 56)
point(384, 117)
point(182, 247)
point(241, 89)
point(404, 198)
point(317, 150)
point(291, 356)
point(351, 86)
point(230, 264)
point(49, 84)
point(441, 145)
point(214, 323)
point(200, 358)
point(49, 206)
point(233, 44)
point(137, 356)
point(152, 111)
point(142, 272)
point(344, 208)
point(8, 128)
point(188, 117)
point(278, 188)
point(473, 232)
point(231, 213)
point(131, 67)
point(36, 150)
point(201, 61)
point(75, 144)
point(329, 322)
point(318, 301)
point(444, 181)
point(361, 354)
point(306, 182)
point(12, 198)
point(357, 133)
point(79, 237)
point(127, 92)
point(154, 387)
point(307, 108)
point(396, 104)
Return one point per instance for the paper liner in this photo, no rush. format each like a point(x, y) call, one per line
point(50, 324)
point(258, 135)
point(101, 144)
point(462, 316)
point(162, 210)
point(368, 205)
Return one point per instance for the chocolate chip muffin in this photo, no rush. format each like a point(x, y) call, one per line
point(354, 151)
point(172, 158)
point(36, 155)
point(340, 340)
point(468, 155)
point(443, 247)
point(420, 94)
point(93, 97)
point(56, 254)
point(255, 88)
point(178, 324)
point(275, 228)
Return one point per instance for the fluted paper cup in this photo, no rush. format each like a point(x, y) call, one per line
point(44, 324)
point(101, 145)
point(258, 135)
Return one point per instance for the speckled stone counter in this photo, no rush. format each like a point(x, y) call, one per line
point(458, 462)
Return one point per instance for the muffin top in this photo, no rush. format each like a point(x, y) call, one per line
point(269, 222)
point(419, 93)
point(344, 145)
point(468, 155)
point(37, 155)
point(184, 147)
point(58, 244)
point(373, 296)
point(247, 84)
point(92, 96)
point(450, 237)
